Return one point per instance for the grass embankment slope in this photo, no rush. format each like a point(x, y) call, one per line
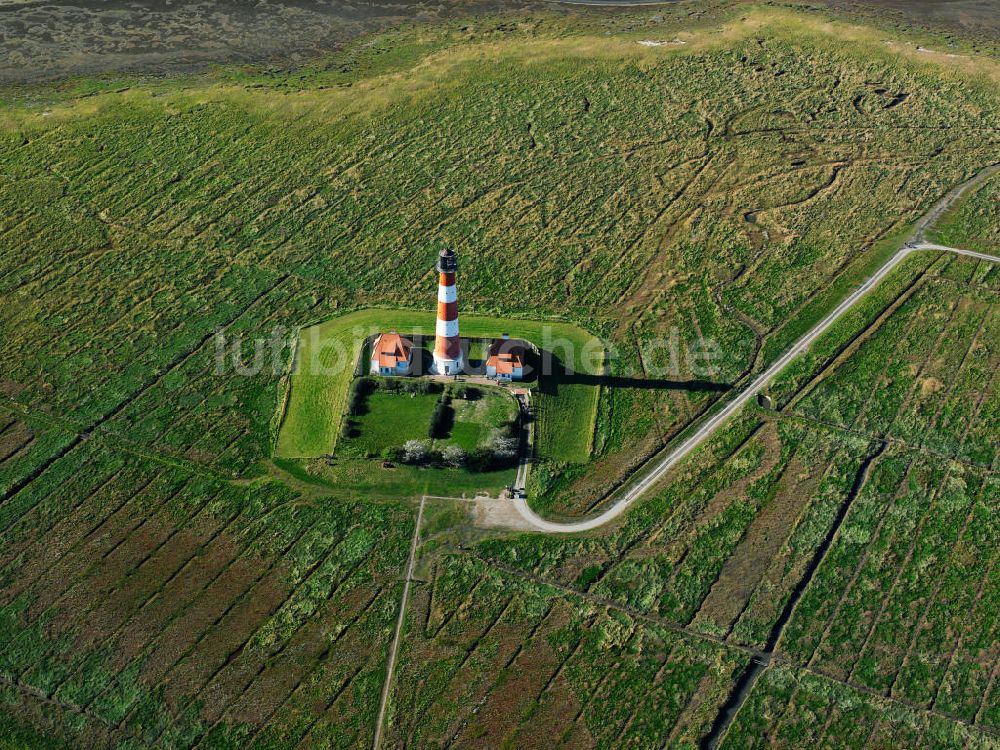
point(327, 354)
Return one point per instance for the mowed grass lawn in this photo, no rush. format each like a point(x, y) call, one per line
point(475, 419)
point(328, 352)
point(390, 419)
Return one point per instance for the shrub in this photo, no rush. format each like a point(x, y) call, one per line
point(454, 456)
point(467, 393)
point(505, 449)
point(389, 385)
point(481, 459)
point(415, 452)
point(421, 386)
point(502, 443)
point(360, 388)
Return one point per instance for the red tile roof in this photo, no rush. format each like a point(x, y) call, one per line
point(505, 356)
point(390, 349)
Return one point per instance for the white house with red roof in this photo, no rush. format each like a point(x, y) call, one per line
point(505, 360)
point(392, 354)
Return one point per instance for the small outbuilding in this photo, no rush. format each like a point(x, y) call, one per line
point(505, 360)
point(392, 354)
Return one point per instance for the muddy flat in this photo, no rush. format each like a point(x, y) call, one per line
point(49, 40)
point(43, 40)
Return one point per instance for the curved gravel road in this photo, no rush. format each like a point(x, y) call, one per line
point(635, 491)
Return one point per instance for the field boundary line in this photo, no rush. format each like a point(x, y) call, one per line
point(960, 641)
point(744, 684)
point(759, 657)
point(968, 287)
point(932, 599)
point(915, 242)
point(145, 648)
point(317, 668)
point(713, 423)
point(987, 694)
point(850, 584)
point(96, 575)
point(114, 439)
point(925, 362)
point(457, 671)
point(137, 610)
point(79, 545)
point(156, 643)
point(916, 535)
point(97, 426)
point(15, 488)
point(390, 666)
point(273, 654)
point(509, 663)
point(829, 467)
point(978, 410)
point(180, 358)
point(985, 731)
point(652, 619)
point(851, 347)
point(650, 535)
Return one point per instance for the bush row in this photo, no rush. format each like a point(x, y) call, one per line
point(482, 458)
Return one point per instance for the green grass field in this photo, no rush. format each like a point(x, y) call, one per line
point(363, 479)
point(247, 200)
point(475, 419)
point(390, 420)
point(975, 222)
point(183, 565)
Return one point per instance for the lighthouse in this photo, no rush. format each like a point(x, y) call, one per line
point(447, 345)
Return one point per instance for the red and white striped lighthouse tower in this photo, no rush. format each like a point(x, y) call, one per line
point(447, 345)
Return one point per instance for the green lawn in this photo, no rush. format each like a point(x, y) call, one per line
point(466, 435)
point(475, 419)
point(390, 419)
point(328, 352)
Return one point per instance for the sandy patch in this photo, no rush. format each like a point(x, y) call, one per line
point(930, 386)
point(496, 513)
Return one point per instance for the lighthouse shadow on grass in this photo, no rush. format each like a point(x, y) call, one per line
point(554, 374)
